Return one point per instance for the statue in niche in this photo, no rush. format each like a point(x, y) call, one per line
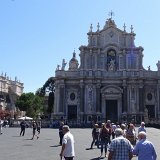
point(63, 64)
point(111, 65)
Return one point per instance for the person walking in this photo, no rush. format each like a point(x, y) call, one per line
point(23, 127)
point(1, 124)
point(144, 149)
point(120, 148)
point(34, 127)
point(67, 150)
point(142, 127)
point(95, 136)
point(104, 138)
point(61, 132)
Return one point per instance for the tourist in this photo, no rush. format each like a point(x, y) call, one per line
point(109, 127)
point(116, 151)
point(61, 132)
point(142, 127)
point(123, 127)
point(104, 138)
point(95, 136)
point(113, 130)
point(144, 149)
point(23, 127)
point(131, 134)
point(1, 124)
point(67, 150)
point(34, 126)
point(38, 128)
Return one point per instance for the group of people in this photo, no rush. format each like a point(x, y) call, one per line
point(36, 126)
point(121, 142)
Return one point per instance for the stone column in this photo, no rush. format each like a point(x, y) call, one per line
point(141, 99)
point(56, 102)
point(82, 97)
point(158, 98)
point(124, 107)
point(61, 99)
point(98, 98)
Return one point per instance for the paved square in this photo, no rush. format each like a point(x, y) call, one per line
point(14, 147)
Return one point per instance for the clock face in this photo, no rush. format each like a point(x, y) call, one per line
point(72, 96)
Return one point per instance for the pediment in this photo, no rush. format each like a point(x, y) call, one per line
point(112, 90)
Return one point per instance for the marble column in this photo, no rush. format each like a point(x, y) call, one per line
point(98, 98)
point(141, 99)
point(82, 98)
point(61, 99)
point(124, 107)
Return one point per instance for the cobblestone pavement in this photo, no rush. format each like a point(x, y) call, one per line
point(14, 147)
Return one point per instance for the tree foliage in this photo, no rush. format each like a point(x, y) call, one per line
point(30, 103)
point(48, 88)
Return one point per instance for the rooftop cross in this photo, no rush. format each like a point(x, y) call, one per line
point(131, 29)
point(124, 27)
point(91, 27)
point(98, 26)
point(111, 14)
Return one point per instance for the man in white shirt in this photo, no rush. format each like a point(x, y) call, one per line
point(67, 150)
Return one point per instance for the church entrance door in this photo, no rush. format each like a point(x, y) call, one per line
point(111, 110)
point(151, 111)
point(72, 112)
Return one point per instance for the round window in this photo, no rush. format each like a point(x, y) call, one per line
point(149, 96)
point(72, 96)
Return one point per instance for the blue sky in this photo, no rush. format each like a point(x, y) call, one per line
point(35, 35)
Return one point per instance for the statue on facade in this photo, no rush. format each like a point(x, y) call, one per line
point(158, 65)
point(58, 67)
point(149, 68)
point(63, 64)
point(111, 65)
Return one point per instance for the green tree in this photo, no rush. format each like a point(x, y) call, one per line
point(30, 103)
point(48, 88)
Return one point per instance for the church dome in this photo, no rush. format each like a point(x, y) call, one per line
point(73, 64)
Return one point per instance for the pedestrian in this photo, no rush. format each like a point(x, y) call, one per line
point(120, 148)
point(23, 127)
point(67, 150)
point(131, 134)
point(113, 130)
point(144, 149)
point(109, 127)
point(123, 127)
point(1, 124)
point(38, 128)
point(34, 127)
point(142, 127)
point(61, 132)
point(95, 136)
point(104, 138)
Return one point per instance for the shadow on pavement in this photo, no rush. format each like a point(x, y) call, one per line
point(97, 158)
point(56, 145)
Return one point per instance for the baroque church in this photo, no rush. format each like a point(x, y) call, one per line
point(109, 82)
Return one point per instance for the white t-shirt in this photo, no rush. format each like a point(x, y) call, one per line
point(68, 140)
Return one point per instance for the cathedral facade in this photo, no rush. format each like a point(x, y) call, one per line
point(109, 82)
